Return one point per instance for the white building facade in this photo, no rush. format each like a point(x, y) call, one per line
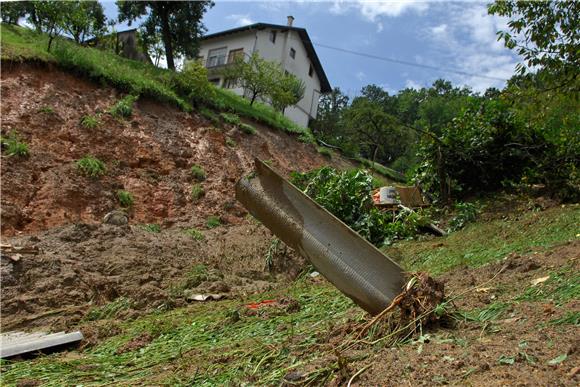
point(287, 45)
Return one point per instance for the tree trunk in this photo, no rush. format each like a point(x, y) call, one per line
point(253, 98)
point(166, 32)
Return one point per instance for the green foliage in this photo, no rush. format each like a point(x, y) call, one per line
point(197, 192)
point(231, 142)
point(124, 107)
point(465, 213)
point(489, 313)
point(347, 195)
point(324, 151)
point(181, 21)
point(198, 172)
point(13, 146)
point(194, 233)
point(46, 109)
point(571, 318)
point(90, 122)
point(152, 227)
point(561, 287)
point(83, 19)
point(91, 166)
point(126, 199)
point(232, 119)
point(247, 128)
point(213, 222)
point(110, 310)
point(288, 90)
point(192, 84)
point(211, 116)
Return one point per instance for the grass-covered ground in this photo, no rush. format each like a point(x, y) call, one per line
point(217, 343)
point(24, 45)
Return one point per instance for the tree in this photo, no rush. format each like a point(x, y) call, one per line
point(47, 17)
point(256, 75)
point(329, 122)
point(13, 11)
point(545, 34)
point(287, 91)
point(84, 19)
point(178, 22)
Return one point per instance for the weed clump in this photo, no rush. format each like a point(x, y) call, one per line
point(152, 227)
point(197, 192)
point(124, 108)
point(212, 222)
point(247, 128)
point(46, 109)
point(126, 199)
point(210, 115)
point(91, 166)
point(198, 172)
point(324, 151)
point(13, 145)
point(90, 122)
point(194, 233)
point(232, 119)
point(231, 142)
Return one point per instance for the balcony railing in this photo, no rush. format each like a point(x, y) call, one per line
point(222, 61)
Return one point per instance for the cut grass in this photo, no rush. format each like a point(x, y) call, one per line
point(206, 344)
point(561, 287)
point(482, 243)
point(136, 78)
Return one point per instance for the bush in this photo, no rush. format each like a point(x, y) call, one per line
point(194, 233)
point(211, 116)
point(91, 166)
point(231, 142)
point(154, 228)
point(192, 84)
point(246, 128)
point(465, 213)
point(124, 108)
point(198, 172)
point(347, 195)
point(13, 145)
point(212, 222)
point(197, 192)
point(90, 122)
point(232, 119)
point(125, 198)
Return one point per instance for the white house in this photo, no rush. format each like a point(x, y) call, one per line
point(287, 45)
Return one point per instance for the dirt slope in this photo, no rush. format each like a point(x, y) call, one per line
point(47, 202)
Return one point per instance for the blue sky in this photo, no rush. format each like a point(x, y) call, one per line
point(446, 35)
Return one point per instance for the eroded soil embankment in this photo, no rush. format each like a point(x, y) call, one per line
point(149, 155)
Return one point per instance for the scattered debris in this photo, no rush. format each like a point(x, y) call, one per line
point(20, 343)
point(205, 297)
point(540, 280)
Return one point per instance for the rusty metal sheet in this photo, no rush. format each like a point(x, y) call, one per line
point(348, 261)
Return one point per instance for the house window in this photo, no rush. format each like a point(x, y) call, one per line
point(292, 53)
point(235, 54)
point(215, 81)
point(310, 71)
point(231, 83)
point(217, 57)
point(273, 36)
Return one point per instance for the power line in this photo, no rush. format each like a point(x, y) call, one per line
point(393, 60)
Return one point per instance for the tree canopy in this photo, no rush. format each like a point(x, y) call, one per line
point(179, 23)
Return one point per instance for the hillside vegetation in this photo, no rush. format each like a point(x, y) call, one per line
point(140, 79)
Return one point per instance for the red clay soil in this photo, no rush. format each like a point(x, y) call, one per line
point(47, 202)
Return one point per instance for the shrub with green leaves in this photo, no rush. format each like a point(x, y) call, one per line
point(126, 198)
point(124, 108)
point(13, 146)
point(213, 222)
point(324, 151)
point(347, 195)
point(192, 84)
point(198, 172)
point(90, 122)
point(247, 128)
point(91, 166)
point(465, 213)
point(230, 118)
point(197, 192)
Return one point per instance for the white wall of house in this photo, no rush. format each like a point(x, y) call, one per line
point(278, 51)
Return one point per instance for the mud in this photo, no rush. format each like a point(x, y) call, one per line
point(85, 264)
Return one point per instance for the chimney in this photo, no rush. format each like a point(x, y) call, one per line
point(290, 21)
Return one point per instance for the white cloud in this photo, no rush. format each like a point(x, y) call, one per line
point(379, 27)
point(241, 20)
point(468, 41)
point(360, 75)
point(411, 84)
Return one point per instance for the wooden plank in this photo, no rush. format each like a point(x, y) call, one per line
point(19, 343)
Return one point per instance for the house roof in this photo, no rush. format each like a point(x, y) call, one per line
point(324, 84)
